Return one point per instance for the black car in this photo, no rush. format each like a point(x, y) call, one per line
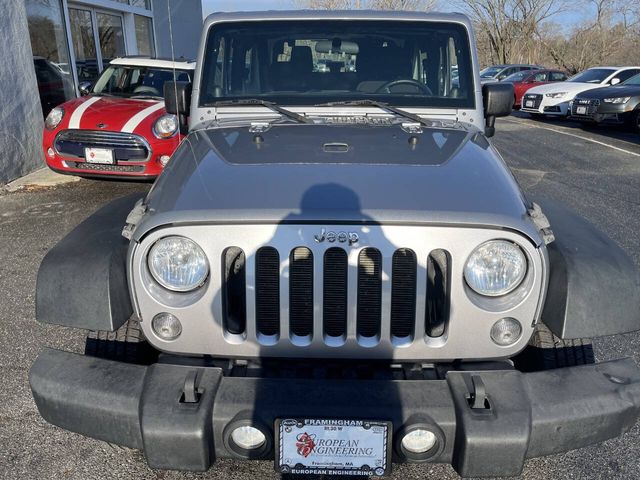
point(615, 104)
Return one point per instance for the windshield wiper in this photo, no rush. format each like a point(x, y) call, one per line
point(270, 105)
point(382, 105)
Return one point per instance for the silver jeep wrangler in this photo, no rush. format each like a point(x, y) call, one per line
point(337, 271)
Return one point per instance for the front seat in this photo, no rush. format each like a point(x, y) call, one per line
point(296, 73)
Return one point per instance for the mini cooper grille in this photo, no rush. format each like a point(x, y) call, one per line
point(126, 146)
point(369, 318)
point(97, 167)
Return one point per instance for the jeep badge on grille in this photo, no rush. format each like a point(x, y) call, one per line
point(341, 237)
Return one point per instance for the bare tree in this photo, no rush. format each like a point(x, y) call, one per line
point(601, 40)
point(508, 27)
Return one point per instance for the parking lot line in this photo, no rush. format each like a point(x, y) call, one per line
point(562, 132)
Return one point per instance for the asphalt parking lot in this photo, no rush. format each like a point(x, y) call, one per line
point(595, 172)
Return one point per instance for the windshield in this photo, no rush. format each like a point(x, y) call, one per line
point(132, 81)
point(316, 61)
point(490, 72)
point(593, 75)
point(635, 80)
point(517, 77)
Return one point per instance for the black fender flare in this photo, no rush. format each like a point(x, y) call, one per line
point(82, 280)
point(594, 285)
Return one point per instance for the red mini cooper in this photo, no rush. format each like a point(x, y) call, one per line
point(119, 127)
point(523, 81)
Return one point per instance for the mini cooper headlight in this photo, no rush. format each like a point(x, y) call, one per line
point(54, 118)
point(178, 264)
point(617, 100)
point(495, 268)
point(166, 126)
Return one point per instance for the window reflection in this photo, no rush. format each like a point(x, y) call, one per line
point(144, 35)
point(84, 44)
point(111, 37)
point(50, 52)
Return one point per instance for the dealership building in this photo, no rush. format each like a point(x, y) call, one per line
point(51, 46)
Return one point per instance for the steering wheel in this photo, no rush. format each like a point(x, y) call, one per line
point(386, 88)
point(146, 90)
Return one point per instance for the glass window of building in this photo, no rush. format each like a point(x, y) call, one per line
point(144, 35)
point(84, 44)
point(141, 3)
point(50, 52)
point(111, 36)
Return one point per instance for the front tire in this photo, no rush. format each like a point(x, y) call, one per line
point(127, 344)
point(546, 351)
point(634, 121)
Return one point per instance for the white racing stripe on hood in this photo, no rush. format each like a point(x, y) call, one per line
point(134, 121)
point(76, 116)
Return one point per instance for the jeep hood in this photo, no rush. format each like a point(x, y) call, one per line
point(331, 174)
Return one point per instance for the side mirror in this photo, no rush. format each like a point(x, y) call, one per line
point(501, 77)
point(177, 101)
point(497, 99)
point(615, 81)
point(85, 88)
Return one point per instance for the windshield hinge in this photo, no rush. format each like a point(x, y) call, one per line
point(259, 127)
point(134, 218)
point(411, 128)
point(541, 221)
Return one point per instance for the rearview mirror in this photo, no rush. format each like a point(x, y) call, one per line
point(497, 99)
point(177, 101)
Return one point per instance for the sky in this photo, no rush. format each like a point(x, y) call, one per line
point(567, 18)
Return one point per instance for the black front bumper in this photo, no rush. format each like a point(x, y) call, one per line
point(528, 415)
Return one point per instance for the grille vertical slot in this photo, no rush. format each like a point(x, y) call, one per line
point(334, 305)
point(403, 293)
point(267, 291)
point(369, 292)
point(234, 300)
point(301, 292)
point(437, 298)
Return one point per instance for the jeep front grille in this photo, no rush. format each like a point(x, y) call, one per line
point(398, 293)
point(334, 277)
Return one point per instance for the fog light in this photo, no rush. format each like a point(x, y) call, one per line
point(166, 326)
point(248, 437)
point(164, 159)
point(506, 331)
point(419, 440)
point(50, 152)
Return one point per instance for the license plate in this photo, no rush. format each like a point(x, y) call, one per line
point(528, 103)
point(333, 447)
point(581, 110)
point(98, 155)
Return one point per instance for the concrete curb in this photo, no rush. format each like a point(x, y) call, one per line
point(43, 177)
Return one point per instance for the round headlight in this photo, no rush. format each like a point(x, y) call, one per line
point(495, 268)
point(166, 126)
point(54, 118)
point(178, 264)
